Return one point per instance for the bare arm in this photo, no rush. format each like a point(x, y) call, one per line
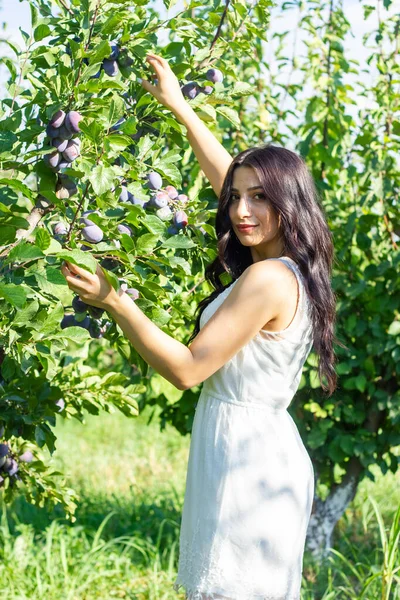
point(214, 160)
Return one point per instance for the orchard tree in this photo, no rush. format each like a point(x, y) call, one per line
point(90, 172)
point(115, 188)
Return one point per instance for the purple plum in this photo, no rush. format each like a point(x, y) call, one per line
point(27, 456)
point(172, 230)
point(59, 144)
point(83, 219)
point(183, 198)
point(79, 305)
point(124, 229)
point(52, 132)
point(95, 311)
point(72, 121)
point(71, 152)
point(180, 219)
point(125, 195)
point(53, 159)
point(214, 75)
point(110, 67)
point(114, 52)
point(154, 180)
point(171, 191)
point(133, 293)
point(60, 229)
point(57, 119)
point(190, 89)
point(64, 133)
point(93, 234)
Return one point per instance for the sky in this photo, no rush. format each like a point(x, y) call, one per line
point(15, 14)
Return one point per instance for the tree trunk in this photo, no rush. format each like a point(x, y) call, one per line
point(327, 513)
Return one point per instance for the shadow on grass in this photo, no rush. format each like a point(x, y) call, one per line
point(155, 520)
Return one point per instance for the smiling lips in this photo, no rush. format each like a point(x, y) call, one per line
point(246, 228)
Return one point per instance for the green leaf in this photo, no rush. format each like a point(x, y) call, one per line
point(116, 142)
point(25, 315)
point(146, 243)
point(16, 184)
point(116, 111)
point(13, 294)
point(102, 179)
point(80, 258)
point(53, 319)
point(178, 241)
point(111, 278)
point(154, 224)
point(230, 114)
point(73, 333)
point(50, 280)
point(160, 316)
point(102, 50)
point(242, 88)
point(7, 141)
point(394, 328)
point(41, 32)
point(42, 238)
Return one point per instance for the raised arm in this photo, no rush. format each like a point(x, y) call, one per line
point(214, 160)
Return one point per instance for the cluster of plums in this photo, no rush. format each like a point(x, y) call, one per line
point(191, 89)
point(118, 58)
point(9, 466)
point(92, 321)
point(168, 202)
point(61, 130)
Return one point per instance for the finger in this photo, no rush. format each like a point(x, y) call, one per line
point(75, 270)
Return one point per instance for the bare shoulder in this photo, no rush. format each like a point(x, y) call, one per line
point(275, 274)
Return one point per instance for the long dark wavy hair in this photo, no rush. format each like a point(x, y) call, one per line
point(290, 188)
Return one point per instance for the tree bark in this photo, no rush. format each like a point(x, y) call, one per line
point(326, 513)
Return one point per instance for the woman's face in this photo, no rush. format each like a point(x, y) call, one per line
point(250, 206)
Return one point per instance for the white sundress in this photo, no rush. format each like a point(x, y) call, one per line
point(250, 481)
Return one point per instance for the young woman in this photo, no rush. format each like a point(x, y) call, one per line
point(250, 481)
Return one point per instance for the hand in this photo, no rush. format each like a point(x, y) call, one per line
point(92, 289)
point(168, 89)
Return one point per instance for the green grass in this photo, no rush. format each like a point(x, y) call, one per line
point(124, 544)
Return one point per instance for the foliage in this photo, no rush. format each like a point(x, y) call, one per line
point(126, 138)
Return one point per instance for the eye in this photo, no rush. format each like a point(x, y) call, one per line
point(233, 196)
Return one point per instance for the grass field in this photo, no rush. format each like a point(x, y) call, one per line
point(125, 541)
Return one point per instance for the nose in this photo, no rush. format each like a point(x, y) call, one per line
point(243, 207)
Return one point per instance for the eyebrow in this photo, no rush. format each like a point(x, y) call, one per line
point(256, 187)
